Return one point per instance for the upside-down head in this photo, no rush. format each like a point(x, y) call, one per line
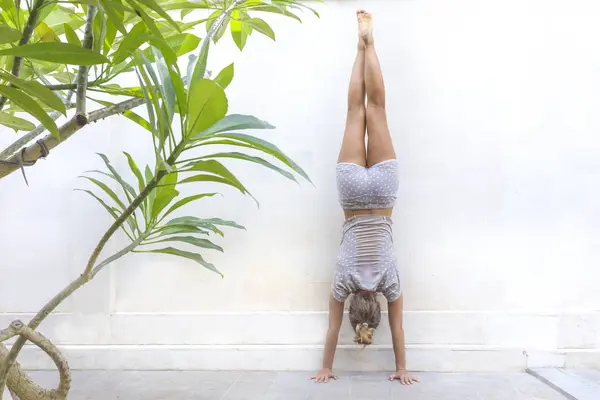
point(365, 315)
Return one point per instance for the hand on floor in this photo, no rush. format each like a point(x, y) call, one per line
point(323, 376)
point(404, 377)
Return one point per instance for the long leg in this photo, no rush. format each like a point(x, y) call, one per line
point(380, 145)
point(353, 145)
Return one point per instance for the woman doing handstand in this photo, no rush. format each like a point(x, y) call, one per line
point(367, 180)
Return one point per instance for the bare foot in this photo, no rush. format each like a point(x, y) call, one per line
point(365, 27)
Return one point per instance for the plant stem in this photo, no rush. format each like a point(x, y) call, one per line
point(19, 143)
point(72, 86)
point(120, 254)
point(82, 75)
point(27, 32)
point(34, 152)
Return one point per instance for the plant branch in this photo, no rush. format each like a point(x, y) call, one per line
point(119, 254)
point(27, 32)
point(17, 328)
point(82, 75)
point(19, 384)
point(21, 142)
point(72, 86)
point(34, 152)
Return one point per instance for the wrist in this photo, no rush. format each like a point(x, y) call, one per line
point(400, 369)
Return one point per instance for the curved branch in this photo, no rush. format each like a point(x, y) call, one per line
point(18, 382)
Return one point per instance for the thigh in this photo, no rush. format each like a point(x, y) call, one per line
point(353, 144)
point(380, 146)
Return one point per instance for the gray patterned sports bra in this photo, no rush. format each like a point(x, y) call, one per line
point(362, 188)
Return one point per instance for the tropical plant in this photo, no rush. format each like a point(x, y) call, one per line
point(186, 117)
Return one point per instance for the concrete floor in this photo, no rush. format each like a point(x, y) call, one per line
point(204, 385)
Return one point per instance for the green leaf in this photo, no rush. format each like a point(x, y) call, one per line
point(131, 42)
point(151, 4)
point(215, 167)
point(46, 33)
point(136, 171)
point(275, 10)
point(198, 64)
point(106, 190)
point(207, 178)
point(8, 34)
point(99, 30)
point(181, 44)
point(128, 114)
point(238, 33)
point(207, 104)
point(222, 222)
point(109, 209)
point(16, 123)
point(151, 196)
point(186, 254)
point(164, 128)
point(166, 84)
point(204, 223)
point(31, 106)
point(181, 228)
point(115, 17)
point(187, 200)
point(225, 76)
point(164, 50)
point(72, 37)
point(148, 20)
point(261, 26)
point(109, 38)
point(235, 122)
point(255, 143)
point(127, 189)
point(165, 193)
point(203, 243)
point(36, 90)
point(257, 160)
point(56, 52)
point(188, 25)
point(186, 5)
point(44, 12)
point(119, 91)
point(180, 91)
point(148, 101)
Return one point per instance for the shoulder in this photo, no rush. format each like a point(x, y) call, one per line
point(390, 286)
point(342, 285)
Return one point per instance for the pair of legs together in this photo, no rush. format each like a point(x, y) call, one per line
point(366, 117)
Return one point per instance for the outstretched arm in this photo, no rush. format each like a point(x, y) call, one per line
point(336, 314)
point(395, 315)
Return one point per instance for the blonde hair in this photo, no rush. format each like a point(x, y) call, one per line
point(365, 316)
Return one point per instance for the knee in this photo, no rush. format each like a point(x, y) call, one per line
point(375, 110)
point(357, 111)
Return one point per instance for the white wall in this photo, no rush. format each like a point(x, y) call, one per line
point(493, 108)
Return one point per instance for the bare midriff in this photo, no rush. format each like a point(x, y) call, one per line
point(386, 212)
